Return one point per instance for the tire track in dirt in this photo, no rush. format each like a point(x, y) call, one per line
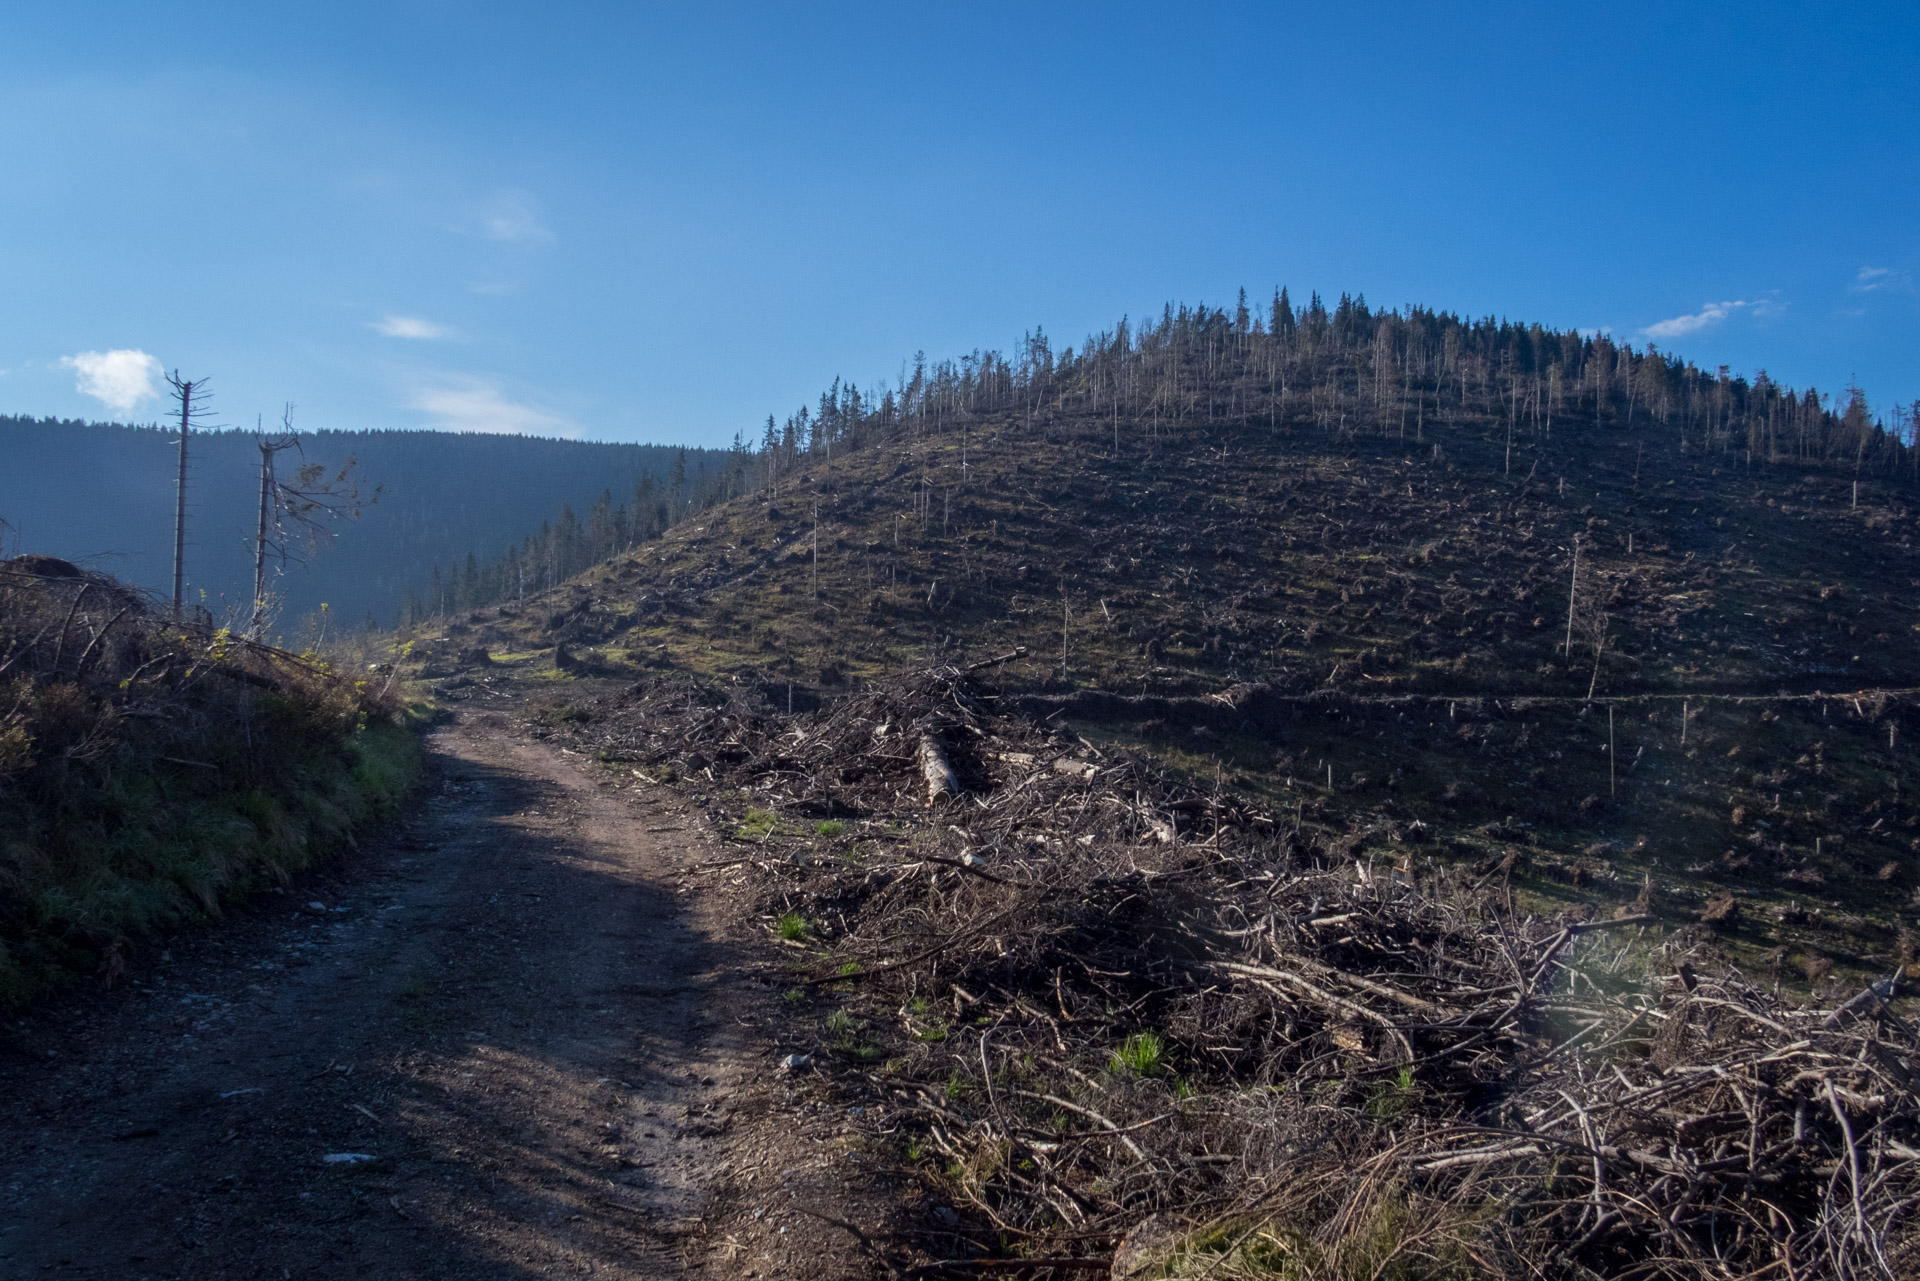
point(511, 1009)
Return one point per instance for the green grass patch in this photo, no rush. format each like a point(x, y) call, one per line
point(757, 825)
point(1399, 1237)
point(1143, 1054)
point(558, 714)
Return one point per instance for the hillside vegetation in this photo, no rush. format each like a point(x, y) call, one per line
point(152, 771)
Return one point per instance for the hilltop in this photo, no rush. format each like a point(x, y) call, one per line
point(1288, 519)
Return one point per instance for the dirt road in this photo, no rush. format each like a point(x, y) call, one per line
point(511, 1041)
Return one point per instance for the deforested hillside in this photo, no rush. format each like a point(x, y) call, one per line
point(1583, 613)
point(1325, 794)
point(1114, 1019)
point(1377, 503)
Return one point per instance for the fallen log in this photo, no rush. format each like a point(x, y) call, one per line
point(934, 768)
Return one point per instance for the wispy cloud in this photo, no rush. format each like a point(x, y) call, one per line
point(1708, 316)
point(409, 327)
point(119, 379)
point(511, 217)
point(475, 404)
point(1871, 280)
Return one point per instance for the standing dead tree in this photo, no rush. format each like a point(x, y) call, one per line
point(191, 396)
point(295, 512)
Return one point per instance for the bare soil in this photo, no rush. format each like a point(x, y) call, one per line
point(511, 1039)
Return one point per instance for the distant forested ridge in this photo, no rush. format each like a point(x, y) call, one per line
point(102, 494)
point(568, 542)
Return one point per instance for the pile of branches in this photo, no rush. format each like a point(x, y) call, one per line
point(92, 674)
point(933, 739)
point(1123, 1020)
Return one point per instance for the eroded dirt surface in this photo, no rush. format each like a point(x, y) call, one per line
point(513, 1040)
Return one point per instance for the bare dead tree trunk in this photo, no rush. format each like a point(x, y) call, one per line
point(184, 391)
point(1573, 594)
point(260, 543)
point(300, 505)
point(934, 768)
point(1599, 647)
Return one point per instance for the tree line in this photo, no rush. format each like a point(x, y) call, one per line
point(1352, 371)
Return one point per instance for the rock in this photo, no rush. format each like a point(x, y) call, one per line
point(796, 1062)
point(347, 1158)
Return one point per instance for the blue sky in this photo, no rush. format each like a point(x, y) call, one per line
point(663, 223)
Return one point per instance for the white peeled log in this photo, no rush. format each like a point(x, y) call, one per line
point(934, 768)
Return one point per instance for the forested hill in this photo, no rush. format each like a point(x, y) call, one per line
point(103, 494)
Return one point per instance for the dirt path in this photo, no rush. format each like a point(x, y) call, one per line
point(510, 1042)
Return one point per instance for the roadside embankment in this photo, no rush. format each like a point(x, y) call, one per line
point(151, 770)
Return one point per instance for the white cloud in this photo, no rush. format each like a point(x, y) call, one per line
point(1709, 316)
point(512, 217)
point(409, 327)
point(119, 379)
point(1873, 279)
point(473, 404)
